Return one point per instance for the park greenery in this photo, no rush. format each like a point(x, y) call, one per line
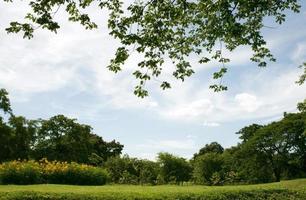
point(163, 30)
point(60, 150)
point(284, 190)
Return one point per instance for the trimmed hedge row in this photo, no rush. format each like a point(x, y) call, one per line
point(229, 195)
point(32, 172)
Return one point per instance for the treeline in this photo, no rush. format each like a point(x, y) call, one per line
point(58, 138)
point(266, 153)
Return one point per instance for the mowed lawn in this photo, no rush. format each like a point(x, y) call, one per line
point(294, 189)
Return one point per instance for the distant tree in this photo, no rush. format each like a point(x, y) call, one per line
point(213, 147)
point(103, 150)
point(5, 105)
point(173, 169)
point(302, 106)
point(148, 172)
point(122, 169)
point(283, 145)
point(5, 141)
point(248, 132)
point(207, 165)
point(62, 138)
point(23, 133)
point(244, 164)
point(128, 170)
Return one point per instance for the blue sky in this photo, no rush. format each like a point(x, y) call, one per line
point(66, 73)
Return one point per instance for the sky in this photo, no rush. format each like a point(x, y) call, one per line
point(65, 73)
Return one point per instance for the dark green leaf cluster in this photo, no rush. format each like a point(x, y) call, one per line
point(5, 105)
point(42, 16)
point(126, 170)
point(302, 78)
point(175, 29)
point(58, 138)
point(170, 29)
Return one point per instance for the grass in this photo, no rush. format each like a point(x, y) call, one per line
point(294, 189)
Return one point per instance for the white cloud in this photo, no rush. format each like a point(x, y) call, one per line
point(299, 54)
point(211, 124)
point(51, 62)
point(252, 101)
point(247, 102)
point(191, 110)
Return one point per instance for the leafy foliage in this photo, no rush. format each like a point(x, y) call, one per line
point(213, 147)
point(5, 105)
point(173, 169)
point(58, 138)
point(302, 106)
point(61, 138)
point(302, 78)
point(207, 169)
point(31, 172)
point(128, 170)
point(170, 29)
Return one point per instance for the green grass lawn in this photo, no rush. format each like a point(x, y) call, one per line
point(294, 189)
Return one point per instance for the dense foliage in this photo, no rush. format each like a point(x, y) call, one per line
point(266, 153)
point(58, 138)
point(132, 170)
point(31, 172)
point(161, 30)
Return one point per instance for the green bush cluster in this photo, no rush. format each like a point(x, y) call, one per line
point(55, 172)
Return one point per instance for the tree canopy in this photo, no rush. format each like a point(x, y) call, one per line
point(170, 29)
point(213, 147)
point(57, 138)
point(266, 153)
point(5, 104)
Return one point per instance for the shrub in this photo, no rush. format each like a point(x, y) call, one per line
point(31, 172)
point(174, 169)
point(21, 173)
point(126, 170)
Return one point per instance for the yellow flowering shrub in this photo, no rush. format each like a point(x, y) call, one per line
point(55, 172)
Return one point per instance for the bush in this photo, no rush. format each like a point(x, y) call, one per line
point(173, 169)
point(126, 170)
point(21, 173)
point(31, 172)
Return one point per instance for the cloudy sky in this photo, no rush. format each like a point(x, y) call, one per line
point(66, 73)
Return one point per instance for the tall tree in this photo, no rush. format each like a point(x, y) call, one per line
point(5, 105)
point(5, 141)
point(173, 168)
point(302, 106)
point(62, 138)
point(213, 147)
point(174, 29)
point(283, 145)
point(248, 132)
point(23, 134)
point(205, 166)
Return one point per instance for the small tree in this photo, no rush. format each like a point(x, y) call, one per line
point(207, 169)
point(173, 168)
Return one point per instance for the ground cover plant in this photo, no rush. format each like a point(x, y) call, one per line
point(294, 189)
